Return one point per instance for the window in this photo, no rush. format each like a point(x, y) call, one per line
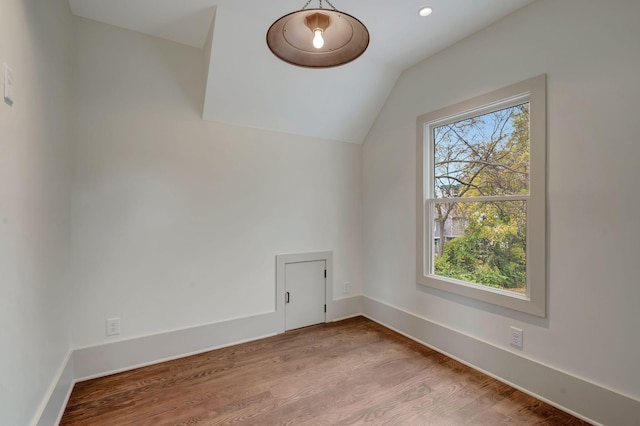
point(481, 198)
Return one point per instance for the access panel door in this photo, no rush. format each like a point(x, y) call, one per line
point(304, 294)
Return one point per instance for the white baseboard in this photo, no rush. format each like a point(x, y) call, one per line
point(588, 401)
point(103, 360)
point(50, 412)
point(346, 307)
point(581, 398)
point(110, 358)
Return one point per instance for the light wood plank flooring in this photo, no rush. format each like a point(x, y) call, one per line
point(346, 373)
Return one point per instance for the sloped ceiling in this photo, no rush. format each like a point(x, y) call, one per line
point(248, 86)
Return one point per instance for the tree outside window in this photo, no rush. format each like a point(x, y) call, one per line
point(481, 198)
point(483, 242)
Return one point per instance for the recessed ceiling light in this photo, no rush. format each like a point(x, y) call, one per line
point(425, 11)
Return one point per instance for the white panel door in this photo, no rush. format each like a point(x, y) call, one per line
point(304, 294)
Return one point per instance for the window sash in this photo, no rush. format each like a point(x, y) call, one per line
point(481, 199)
point(431, 225)
point(534, 92)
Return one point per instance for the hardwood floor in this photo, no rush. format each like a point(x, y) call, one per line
point(345, 373)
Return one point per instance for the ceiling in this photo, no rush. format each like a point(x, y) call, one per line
point(248, 86)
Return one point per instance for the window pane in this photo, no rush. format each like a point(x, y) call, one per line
point(483, 155)
point(482, 243)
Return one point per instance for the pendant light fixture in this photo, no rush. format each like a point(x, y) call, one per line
point(318, 38)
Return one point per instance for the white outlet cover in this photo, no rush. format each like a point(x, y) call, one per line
point(8, 85)
point(516, 337)
point(113, 326)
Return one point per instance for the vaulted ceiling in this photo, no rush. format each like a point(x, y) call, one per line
point(248, 86)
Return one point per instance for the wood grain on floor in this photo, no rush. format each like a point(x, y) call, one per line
point(347, 373)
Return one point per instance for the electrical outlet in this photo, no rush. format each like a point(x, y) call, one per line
point(516, 337)
point(346, 287)
point(113, 326)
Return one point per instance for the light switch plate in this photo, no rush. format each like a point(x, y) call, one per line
point(8, 85)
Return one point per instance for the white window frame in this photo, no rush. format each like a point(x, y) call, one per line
point(535, 300)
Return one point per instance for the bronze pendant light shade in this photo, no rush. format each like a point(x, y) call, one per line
point(318, 38)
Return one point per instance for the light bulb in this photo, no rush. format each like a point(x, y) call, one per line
point(318, 41)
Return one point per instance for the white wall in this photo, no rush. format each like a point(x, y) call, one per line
point(35, 41)
point(177, 221)
point(589, 51)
